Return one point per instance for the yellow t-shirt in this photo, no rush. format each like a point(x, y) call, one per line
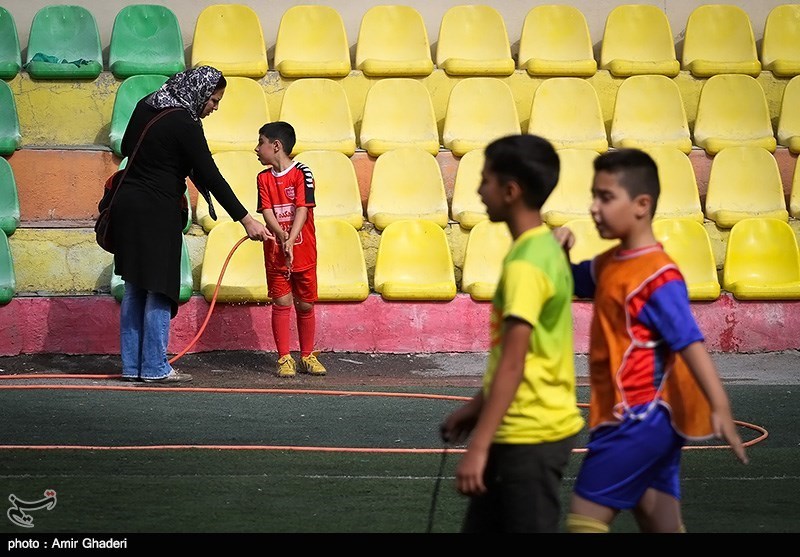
point(536, 286)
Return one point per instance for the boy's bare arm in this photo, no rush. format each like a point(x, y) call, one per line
point(510, 370)
point(705, 372)
point(300, 216)
point(273, 226)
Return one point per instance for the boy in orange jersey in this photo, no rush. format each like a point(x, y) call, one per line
point(653, 383)
point(286, 200)
point(525, 420)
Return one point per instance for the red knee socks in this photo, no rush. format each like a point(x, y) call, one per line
point(306, 329)
point(280, 328)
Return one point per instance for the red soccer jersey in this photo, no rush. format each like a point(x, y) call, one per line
point(283, 192)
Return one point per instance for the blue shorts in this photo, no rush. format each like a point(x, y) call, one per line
point(625, 460)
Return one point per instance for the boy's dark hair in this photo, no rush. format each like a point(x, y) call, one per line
point(529, 160)
point(636, 172)
point(281, 131)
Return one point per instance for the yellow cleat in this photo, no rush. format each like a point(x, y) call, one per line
point(286, 366)
point(311, 365)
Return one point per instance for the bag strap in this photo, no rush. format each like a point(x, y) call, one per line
point(136, 148)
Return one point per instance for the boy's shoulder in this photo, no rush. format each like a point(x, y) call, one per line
point(309, 176)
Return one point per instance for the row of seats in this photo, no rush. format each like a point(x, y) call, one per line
point(649, 112)
point(393, 41)
point(744, 182)
point(414, 261)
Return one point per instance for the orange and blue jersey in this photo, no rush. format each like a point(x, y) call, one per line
point(641, 321)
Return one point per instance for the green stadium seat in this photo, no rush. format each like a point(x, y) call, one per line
point(9, 199)
point(130, 92)
point(146, 39)
point(187, 284)
point(64, 44)
point(9, 121)
point(8, 281)
point(10, 56)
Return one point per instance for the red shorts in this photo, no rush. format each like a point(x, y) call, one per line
point(302, 284)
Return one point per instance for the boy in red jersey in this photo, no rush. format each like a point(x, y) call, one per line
point(653, 383)
point(286, 200)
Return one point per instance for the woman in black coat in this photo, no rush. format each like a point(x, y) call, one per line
point(147, 218)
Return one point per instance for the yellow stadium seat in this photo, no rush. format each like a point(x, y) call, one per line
point(240, 169)
point(780, 46)
point(245, 278)
point(471, 122)
point(336, 191)
point(789, 119)
point(487, 246)
point(588, 243)
point(566, 111)
point(312, 42)
point(719, 40)
point(762, 261)
point(398, 112)
point(467, 209)
point(473, 41)
point(229, 37)
point(393, 42)
point(414, 262)
point(406, 184)
point(555, 41)
point(744, 182)
point(679, 196)
point(649, 112)
point(341, 269)
point(794, 196)
point(234, 126)
point(319, 111)
point(733, 111)
point(637, 40)
point(687, 243)
point(572, 195)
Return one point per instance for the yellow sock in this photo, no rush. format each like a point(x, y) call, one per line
point(682, 529)
point(579, 524)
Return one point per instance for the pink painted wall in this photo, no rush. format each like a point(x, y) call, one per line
point(89, 325)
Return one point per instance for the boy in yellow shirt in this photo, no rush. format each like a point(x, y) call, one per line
point(525, 420)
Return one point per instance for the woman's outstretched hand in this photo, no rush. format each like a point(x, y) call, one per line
point(255, 230)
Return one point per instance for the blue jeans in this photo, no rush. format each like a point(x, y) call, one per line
point(144, 333)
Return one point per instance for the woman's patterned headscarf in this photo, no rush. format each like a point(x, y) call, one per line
point(189, 89)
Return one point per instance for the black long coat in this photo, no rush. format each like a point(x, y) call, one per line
point(146, 215)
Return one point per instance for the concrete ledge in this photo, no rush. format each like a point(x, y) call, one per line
point(90, 325)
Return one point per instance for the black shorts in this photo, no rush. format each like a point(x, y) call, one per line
point(523, 489)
